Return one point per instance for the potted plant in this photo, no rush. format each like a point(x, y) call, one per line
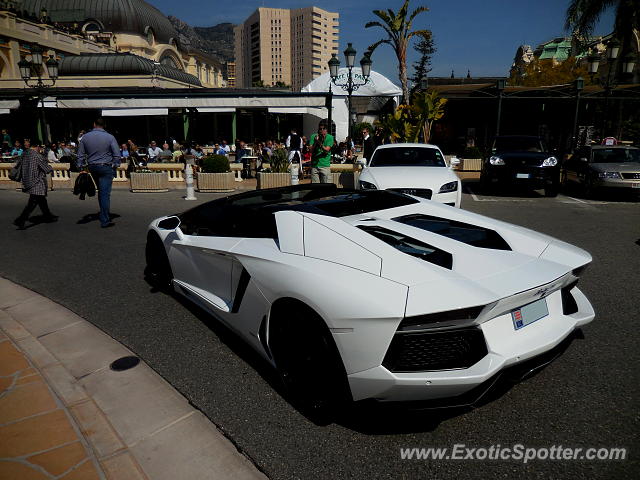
point(145, 180)
point(277, 175)
point(215, 175)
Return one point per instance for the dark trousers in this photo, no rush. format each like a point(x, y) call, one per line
point(103, 176)
point(35, 200)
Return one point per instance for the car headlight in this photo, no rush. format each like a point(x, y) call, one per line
point(449, 187)
point(550, 162)
point(367, 185)
point(609, 175)
point(496, 161)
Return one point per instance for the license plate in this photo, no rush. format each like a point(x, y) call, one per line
point(522, 175)
point(635, 185)
point(530, 313)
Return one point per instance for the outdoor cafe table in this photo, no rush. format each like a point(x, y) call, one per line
point(251, 165)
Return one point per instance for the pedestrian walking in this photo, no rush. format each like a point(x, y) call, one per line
point(34, 168)
point(99, 151)
point(321, 145)
point(368, 144)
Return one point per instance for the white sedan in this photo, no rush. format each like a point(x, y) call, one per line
point(354, 295)
point(416, 169)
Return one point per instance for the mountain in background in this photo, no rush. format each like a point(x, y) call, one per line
point(217, 41)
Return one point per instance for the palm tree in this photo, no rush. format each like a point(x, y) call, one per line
point(582, 16)
point(398, 29)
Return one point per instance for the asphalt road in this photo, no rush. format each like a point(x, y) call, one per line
point(586, 398)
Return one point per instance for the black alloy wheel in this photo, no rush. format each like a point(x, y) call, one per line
point(309, 365)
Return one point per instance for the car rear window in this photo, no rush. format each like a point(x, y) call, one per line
point(407, 157)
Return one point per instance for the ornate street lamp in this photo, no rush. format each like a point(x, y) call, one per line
point(350, 85)
point(628, 64)
point(39, 84)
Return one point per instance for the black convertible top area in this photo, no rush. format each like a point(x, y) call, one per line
point(250, 214)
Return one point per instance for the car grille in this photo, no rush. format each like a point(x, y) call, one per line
point(523, 162)
point(417, 192)
point(444, 350)
point(630, 175)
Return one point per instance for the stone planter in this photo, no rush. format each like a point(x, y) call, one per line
point(273, 180)
point(215, 182)
point(149, 182)
point(470, 164)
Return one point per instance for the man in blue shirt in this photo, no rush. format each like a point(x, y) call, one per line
point(99, 151)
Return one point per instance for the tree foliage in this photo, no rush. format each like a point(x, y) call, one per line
point(583, 15)
point(397, 26)
point(410, 122)
point(425, 47)
point(540, 73)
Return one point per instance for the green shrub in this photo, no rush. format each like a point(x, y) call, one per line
point(279, 161)
point(215, 164)
point(472, 152)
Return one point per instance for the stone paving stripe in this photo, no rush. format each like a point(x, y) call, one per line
point(122, 466)
point(40, 356)
point(11, 360)
point(11, 327)
point(40, 316)
point(64, 384)
point(58, 460)
point(83, 348)
point(12, 294)
point(138, 402)
point(36, 434)
point(186, 450)
point(25, 401)
point(95, 426)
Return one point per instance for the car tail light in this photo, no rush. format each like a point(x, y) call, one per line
point(448, 318)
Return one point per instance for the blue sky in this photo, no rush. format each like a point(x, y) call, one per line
point(479, 35)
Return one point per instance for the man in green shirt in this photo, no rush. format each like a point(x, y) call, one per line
point(321, 145)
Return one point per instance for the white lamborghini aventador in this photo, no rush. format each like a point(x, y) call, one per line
point(356, 295)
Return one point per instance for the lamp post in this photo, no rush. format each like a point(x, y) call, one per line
point(579, 85)
point(500, 84)
point(611, 79)
point(39, 83)
point(350, 85)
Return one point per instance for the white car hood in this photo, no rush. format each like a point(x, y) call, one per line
point(408, 177)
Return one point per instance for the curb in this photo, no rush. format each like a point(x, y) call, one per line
point(134, 423)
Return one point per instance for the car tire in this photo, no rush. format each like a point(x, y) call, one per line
point(309, 364)
point(485, 183)
point(158, 269)
point(551, 190)
point(588, 188)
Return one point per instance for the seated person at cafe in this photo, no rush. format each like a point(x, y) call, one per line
point(177, 154)
point(218, 150)
point(17, 149)
point(166, 155)
point(124, 151)
point(154, 151)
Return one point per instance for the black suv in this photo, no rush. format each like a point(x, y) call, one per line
point(518, 160)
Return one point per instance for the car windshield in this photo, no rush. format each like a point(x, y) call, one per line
point(407, 157)
point(616, 155)
point(517, 144)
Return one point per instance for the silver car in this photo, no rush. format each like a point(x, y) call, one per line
point(598, 168)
